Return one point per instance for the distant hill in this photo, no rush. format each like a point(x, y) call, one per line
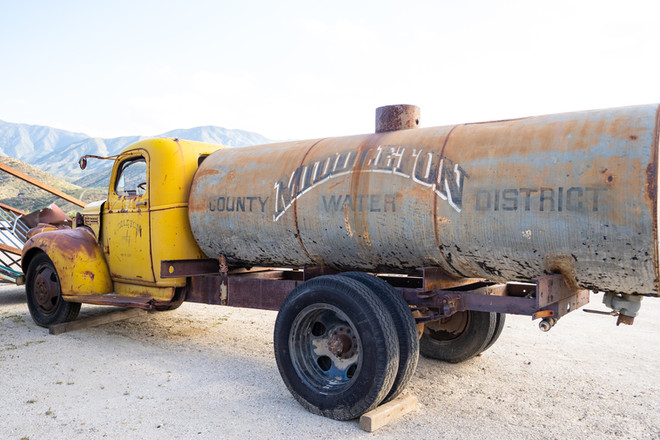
point(57, 151)
point(22, 140)
point(21, 195)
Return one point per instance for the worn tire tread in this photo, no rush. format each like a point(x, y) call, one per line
point(499, 326)
point(406, 328)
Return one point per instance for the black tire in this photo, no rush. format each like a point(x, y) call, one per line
point(406, 329)
point(499, 326)
point(44, 294)
point(336, 347)
point(457, 346)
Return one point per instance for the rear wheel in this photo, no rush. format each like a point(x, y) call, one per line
point(336, 347)
point(459, 337)
point(44, 294)
point(404, 322)
point(499, 326)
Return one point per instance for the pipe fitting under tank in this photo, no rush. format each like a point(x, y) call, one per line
point(547, 323)
point(626, 305)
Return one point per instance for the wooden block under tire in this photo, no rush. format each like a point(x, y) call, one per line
point(381, 416)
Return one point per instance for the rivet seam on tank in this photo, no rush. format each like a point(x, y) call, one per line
point(427, 168)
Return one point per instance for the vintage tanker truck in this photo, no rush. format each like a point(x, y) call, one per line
point(365, 242)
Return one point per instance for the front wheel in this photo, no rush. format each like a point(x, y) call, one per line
point(44, 295)
point(336, 347)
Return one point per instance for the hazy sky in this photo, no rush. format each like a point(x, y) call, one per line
point(302, 69)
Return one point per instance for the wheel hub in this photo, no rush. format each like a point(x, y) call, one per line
point(339, 345)
point(46, 290)
point(325, 348)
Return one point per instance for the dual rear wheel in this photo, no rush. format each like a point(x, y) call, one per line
point(344, 344)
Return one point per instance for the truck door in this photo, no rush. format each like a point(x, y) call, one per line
point(126, 227)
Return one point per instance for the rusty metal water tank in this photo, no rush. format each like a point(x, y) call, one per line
point(574, 193)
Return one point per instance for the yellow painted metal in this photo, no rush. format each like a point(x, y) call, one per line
point(138, 231)
point(77, 257)
point(125, 227)
point(175, 241)
point(173, 166)
point(157, 293)
point(135, 229)
point(92, 216)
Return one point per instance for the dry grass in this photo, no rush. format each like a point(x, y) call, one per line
point(22, 195)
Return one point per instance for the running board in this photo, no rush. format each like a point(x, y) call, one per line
point(114, 299)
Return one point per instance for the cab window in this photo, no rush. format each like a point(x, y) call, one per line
point(132, 178)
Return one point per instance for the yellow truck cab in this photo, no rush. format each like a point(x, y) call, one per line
point(113, 254)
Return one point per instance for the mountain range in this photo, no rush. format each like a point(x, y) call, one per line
point(57, 151)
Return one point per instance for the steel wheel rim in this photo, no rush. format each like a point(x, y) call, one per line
point(326, 350)
point(46, 290)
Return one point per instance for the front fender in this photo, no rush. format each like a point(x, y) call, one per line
point(78, 259)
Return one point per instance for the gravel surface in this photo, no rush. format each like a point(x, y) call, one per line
point(208, 372)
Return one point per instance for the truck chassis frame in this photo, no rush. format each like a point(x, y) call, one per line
point(431, 294)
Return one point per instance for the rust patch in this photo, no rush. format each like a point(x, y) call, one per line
point(71, 241)
point(652, 170)
point(441, 220)
point(564, 265)
point(652, 178)
point(361, 186)
point(397, 117)
point(295, 208)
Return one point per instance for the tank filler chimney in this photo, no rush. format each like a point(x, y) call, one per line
point(396, 117)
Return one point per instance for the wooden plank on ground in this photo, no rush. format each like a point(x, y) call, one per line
point(93, 321)
point(384, 414)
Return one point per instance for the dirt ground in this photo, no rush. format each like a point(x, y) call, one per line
point(208, 372)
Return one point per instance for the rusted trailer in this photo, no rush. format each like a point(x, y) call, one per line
point(364, 242)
